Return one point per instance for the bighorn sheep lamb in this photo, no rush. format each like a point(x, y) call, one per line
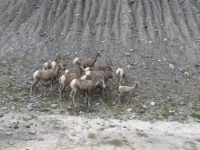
point(120, 75)
point(67, 78)
point(44, 75)
point(127, 89)
point(85, 86)
point(86, 62)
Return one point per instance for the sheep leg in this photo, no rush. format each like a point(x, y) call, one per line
point(71, 95)
point(85, 98)
point(89, 96)
point(73, 99)
point(129, 98)
point(119, 98)
point(51, 85)
point(63, 87)
point(103, 93)
point(33, 86)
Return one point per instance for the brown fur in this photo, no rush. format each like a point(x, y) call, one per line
point(127, 89)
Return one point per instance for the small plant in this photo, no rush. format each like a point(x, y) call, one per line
point(86, 109)
point(101, 129)
point(165, 115)
point(195, 115)
point(141, 134)
point(164, 85)
point(199, 96)
point(92, 136)
point(197, 140)
point(115, 142)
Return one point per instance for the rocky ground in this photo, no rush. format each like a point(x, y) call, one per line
point(158, 44)
point(59, 130)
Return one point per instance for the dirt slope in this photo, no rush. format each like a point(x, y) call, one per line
point(45, 27)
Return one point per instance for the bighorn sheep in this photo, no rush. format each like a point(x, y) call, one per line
point(85, 86)
point(86, 62)
point(96, 75)
point(67, 78)
point(47, 65)
point(44, 75)
point(99, 68)
point(120, 75)
point(60, 61)
point(127, 89)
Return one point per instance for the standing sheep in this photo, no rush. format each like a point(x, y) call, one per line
point(44, 75)
point(127, 89)
point(85, 86)
point(120, 75)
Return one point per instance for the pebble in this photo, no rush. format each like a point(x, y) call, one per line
point(129, 110)
point(1, 115)
point(4, 108)
point(9, 133)
point(16, 126)
point(32, 132)
point(171, 66)
point(30, 107)
point(153, 103)
point(54, 106)
point(182, 103)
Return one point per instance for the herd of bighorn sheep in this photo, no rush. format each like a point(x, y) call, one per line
point(83, 78)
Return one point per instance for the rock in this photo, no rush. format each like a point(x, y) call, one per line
point(145, 106)
point(186, 73)
point(171, 66)
point(54, 106)
point(172, 118)
point(182, 103)
point(133, 116)
point(127, 54)
point(30, 107)
point(112, 125)
point(131, 1)
point(142, 111)
point(129, 109)
point(9, 133)
point(153, 103)
point(4, 108)
point(1, 115)
point(32, 132)
point(11, 143)
point(27, 126)
point(16, 126)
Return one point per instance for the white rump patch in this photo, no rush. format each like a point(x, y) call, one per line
point(62, 79)
point(119, 71)
point(35, 74)
point(45, 65)
point(66, 71)
point(87, 69)
point(53, 64)
point(73, 82)
point(88, 73)
point(83, 77)
point(75, 60)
